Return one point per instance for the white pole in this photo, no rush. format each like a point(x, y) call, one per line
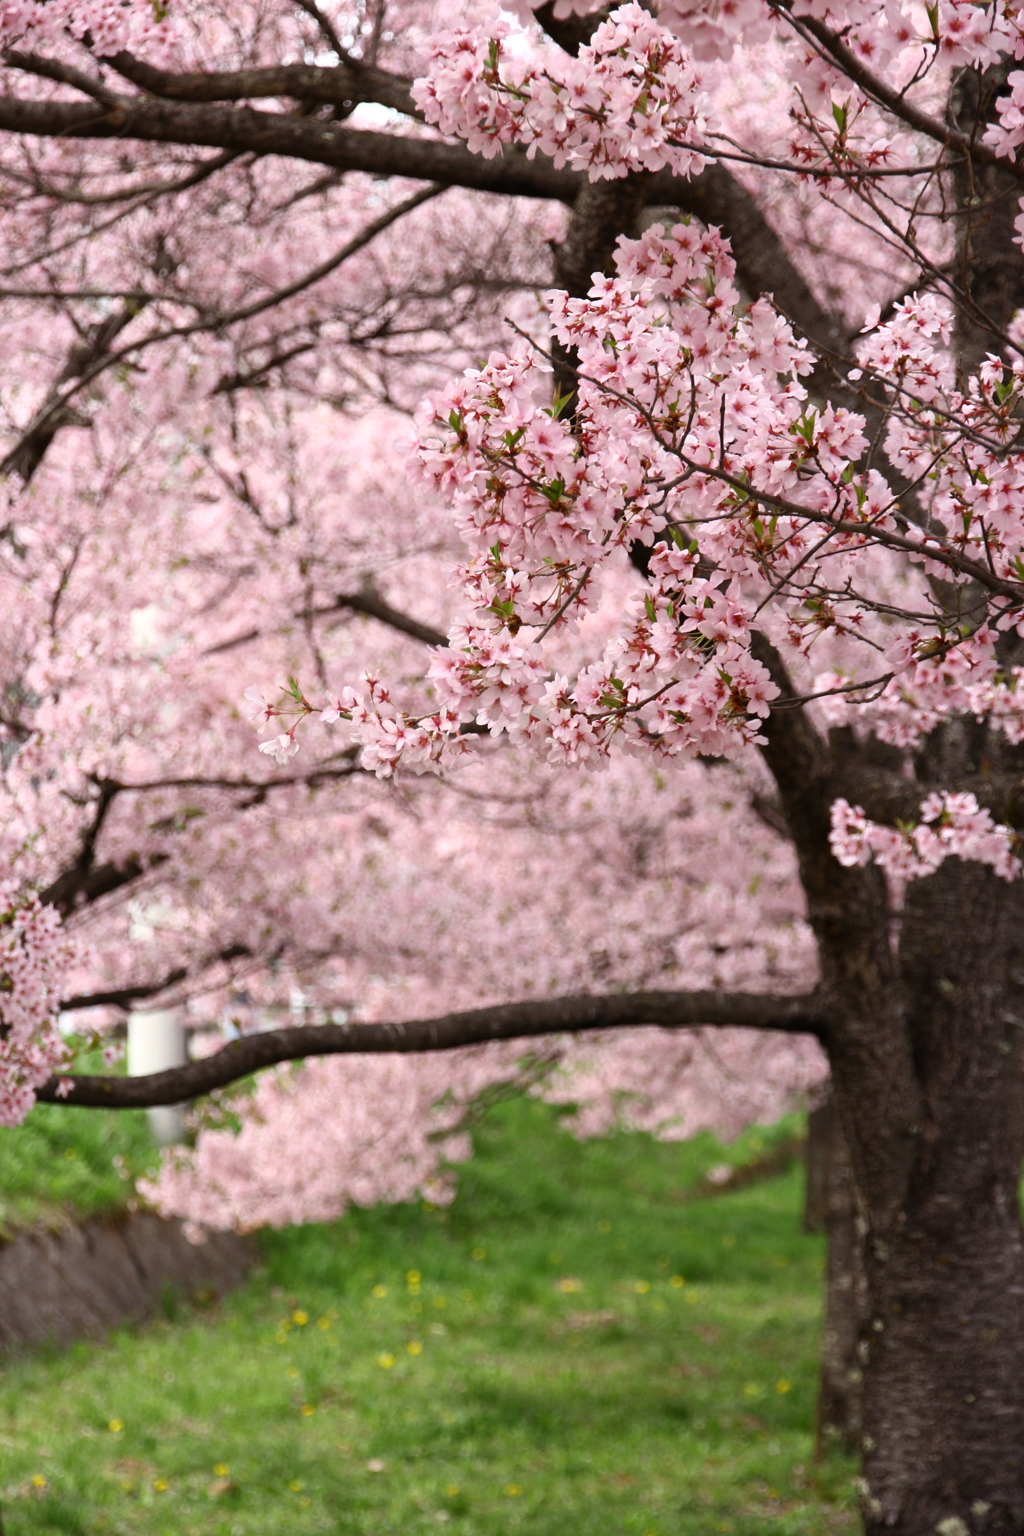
point(156, 1042)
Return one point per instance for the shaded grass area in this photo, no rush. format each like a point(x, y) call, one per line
point(574, 1348)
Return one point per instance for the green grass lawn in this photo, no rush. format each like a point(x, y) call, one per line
point(576, 1347)
point(64, 1163)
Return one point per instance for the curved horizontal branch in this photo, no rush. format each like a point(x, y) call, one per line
point(338, 85)
point(508, 1021)
point(246, 130)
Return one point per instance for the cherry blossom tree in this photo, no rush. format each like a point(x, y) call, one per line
point(744, 488)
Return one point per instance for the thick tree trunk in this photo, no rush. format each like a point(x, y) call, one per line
point(943, 1352)
point(944, 1379)
point(831, 1209)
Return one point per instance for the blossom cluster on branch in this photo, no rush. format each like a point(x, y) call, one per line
point(632, 100)
point(690, 421)
point(951, 826)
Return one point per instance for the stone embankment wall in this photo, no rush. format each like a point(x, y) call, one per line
point(82, 1280)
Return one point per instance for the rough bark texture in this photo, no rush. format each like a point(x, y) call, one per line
point(944, 1354)
point(831, 1209)
point(84, 1279)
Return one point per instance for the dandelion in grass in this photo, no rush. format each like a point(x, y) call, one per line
point(161, 1485)
point(414, 1347)
point(115, 1426)
point(385, 1362)
point(323, 1322)
point(295, 1485)
point(413, 1277)
point(782, 1386)
point(642, 1287)
point(307, 1410)
point(38, 1480)
point(677, 1281)
point(512, 1490)
point(380, 1291)
point(221, 1469)
point(452, 1491)
point(300, 1319)
point(479, 1253)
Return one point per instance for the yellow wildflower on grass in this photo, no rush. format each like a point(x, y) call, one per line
point(380, 1291)
point(782, 1386)
point(295, 1485)
point(642, 1287)
point(414, 1347)
point(452, 1491)
point(569, 1283)
point(307, 1410)
point(115, 1426)
point(479, 1253)
point(38, 1480)
point(221, 1469)
point(413, 1276)
point(300, 1319)
point(323, 1322)
point(512, 1490)
point(161, 1485)
point(385, 1361)
point(677, 1281)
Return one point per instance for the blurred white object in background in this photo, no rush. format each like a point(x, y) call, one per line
point(156, 1042)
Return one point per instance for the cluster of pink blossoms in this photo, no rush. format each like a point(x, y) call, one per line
point(677, 378)
point(951, 826)
point(110, 25)
point(34, 956)
point(955, 31)
point(631, 101)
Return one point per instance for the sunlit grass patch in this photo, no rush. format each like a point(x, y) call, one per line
point(409, 1368)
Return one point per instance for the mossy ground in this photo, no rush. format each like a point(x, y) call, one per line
point(525, 1361)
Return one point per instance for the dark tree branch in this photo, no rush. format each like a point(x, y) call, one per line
point(88, 363)
point(341, 85)
point(368, 602)
point(508, 1021)
point(85, 881)
point(123, 997)
point(246, 130)
point(27, 454)
point(79, 887)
